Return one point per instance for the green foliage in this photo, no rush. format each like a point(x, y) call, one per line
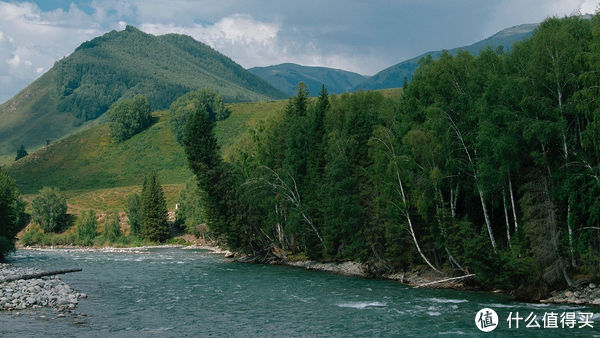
point(21, 152)
point(128, 117)
point(49, 210)
point(134, 209)
point(12, 210)
point(112, 227)
point(185, 105)
point(86, 228)
point(153, 215)
point(190, 213)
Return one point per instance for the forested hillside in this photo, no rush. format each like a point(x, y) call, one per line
point(487, 164)
point(286, 76)
point(82, 86)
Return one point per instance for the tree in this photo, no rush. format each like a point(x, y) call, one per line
point(112, 227)
point(86, 228)
point(134, 206)
point(21, 152)
point(11, 214)
point(185, 105)
point(190, 212)
point(50, 210)
point(128, 117)
point(153, 220)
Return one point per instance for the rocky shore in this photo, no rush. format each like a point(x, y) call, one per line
point(583, 295)
point(50, 292)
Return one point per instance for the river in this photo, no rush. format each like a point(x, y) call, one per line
point(176, 292)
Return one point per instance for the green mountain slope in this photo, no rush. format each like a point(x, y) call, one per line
point(393, 77)
point(90, 160)
point(286, 76)
point(82, 86)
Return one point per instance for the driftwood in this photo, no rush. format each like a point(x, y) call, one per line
point(38, 275)
point(445, 280)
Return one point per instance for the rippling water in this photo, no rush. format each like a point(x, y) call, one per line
point(174, 292)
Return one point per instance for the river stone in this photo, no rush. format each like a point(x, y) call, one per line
point(568, 294)
point(592, 286)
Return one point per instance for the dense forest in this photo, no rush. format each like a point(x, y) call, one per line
point(487, 164)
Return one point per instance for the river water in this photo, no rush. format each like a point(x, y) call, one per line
point(176, 292)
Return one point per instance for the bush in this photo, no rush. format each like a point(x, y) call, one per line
point(128, 117)
point(87, 228)
point(112, 227)
point(133, 213)
point(49, 210)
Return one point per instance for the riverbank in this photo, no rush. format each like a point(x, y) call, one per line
point(24, 294)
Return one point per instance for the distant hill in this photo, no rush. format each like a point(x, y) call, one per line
point(81, 87)
point(393, 76)
point(286, 76)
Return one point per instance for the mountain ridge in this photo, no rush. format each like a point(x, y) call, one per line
point(80, 87)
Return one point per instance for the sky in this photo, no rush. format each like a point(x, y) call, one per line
point(355, 35)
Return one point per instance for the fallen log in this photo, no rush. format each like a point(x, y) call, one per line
point(38, 275)
point(444, 280)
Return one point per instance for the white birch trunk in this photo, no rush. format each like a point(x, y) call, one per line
point(512, 200)
point(506, 216)
point(487, 218)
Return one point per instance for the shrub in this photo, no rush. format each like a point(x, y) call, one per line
point(87, 228)
point(112, 227)
point(49, 210)
point(128, 117)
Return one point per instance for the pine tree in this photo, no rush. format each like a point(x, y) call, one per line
point(21, 153)
point(153, 224)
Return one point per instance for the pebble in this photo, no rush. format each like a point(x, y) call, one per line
point(35, 293)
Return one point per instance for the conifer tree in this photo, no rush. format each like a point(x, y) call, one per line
point(21, 153)
point(153, 224)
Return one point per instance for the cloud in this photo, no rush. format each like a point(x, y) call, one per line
point(31, 40)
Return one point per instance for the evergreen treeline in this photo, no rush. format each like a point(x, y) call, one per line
point(488, 164)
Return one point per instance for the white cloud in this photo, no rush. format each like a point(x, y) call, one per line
point(32, 40)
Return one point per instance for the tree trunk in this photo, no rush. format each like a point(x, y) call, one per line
point(506, 216)
point(39, 275)
point(487, 218)
point(512, 200)
point(410, 226)
point(570, 229)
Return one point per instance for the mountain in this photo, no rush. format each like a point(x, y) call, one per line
point(393, 77)
point(286, 76)
point(81, 87)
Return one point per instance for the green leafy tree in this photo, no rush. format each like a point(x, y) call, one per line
point(134, 206)
point(153, 220)
point(21, 152)
point(11, 214)
point(50, 210)
point(184, 106)
point(86, 228)
point(112, 227)
point(190, 212)
point(128, 117)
